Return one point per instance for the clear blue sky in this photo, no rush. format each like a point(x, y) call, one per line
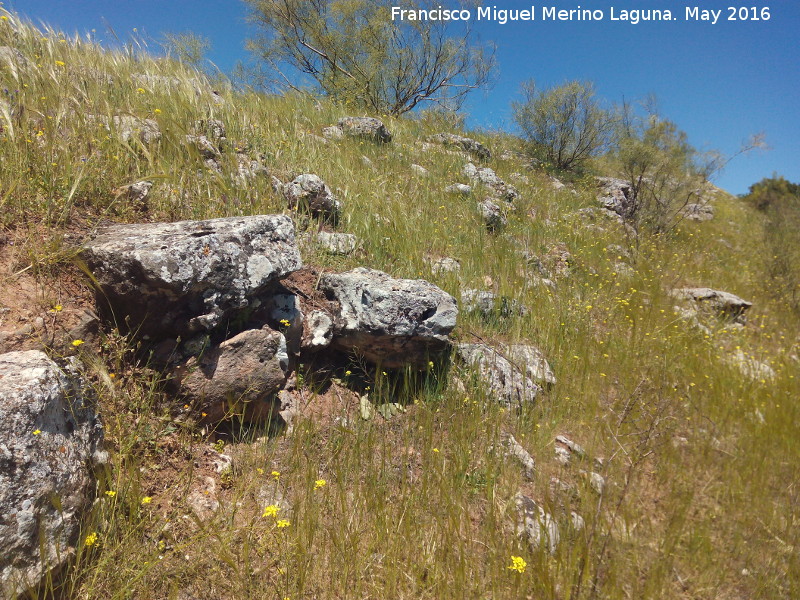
point(720, 83)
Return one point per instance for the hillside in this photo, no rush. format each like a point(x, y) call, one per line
point(399, 481)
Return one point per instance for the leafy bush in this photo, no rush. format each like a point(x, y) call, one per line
point(780, 200)
point(356, 53)
point(565, 125)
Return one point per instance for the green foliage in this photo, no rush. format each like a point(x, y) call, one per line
point(772, 191)
point(356, 54)
point(780, 200)
point(664, 172)
point(565, 124)
point(188, 47)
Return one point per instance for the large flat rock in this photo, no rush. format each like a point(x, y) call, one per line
point(170, 279)
point(394, 322)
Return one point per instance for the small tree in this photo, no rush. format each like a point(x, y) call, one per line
point(355, 53)
point(564, 124)
point(188, 47)
point(779, 200)
point(663, 171)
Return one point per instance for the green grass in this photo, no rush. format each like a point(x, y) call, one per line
point(701, 463)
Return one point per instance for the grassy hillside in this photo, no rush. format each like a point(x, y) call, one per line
point(700, 460)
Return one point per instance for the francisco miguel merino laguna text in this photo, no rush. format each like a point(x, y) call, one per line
point(547, 13)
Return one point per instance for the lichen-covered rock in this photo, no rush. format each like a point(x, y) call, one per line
point(489, 178)
point(171, 279)
point(615, 195)
point(459, 188)
point(492, 215)
point(332, 133)
point(490, 304)
point(535, 524)
point(723, 304)
point(128, 127)
point(317, 331)
point(420, 170)
point(50, 440)
point(394, 322)
point(239, 377)
point(464, 143)
point(441, 266)
point(698, 212)
point(202, 145)
point(532, 361)
point(752, 367)
point(309, 192)
point(337, 243)
point(508, 383)
point(365, 127)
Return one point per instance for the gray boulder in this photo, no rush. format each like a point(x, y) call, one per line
point(171, 279)
point(535, 524)
point(492, 215)
point(308, 192)
point(459, 188)
point(128, 127)
point(489, 178)
point(50, 440)
point(615, 195)
point(317, 331)
point(394, 322)
point(333, 132)
point(698, 212)
point(489, 304)
point(365, 127)
point(530, 360)
point(464, 143)
point(240, 377)
point(337, 243)
point(723, 304)
point(203, 146)
point(506, 381)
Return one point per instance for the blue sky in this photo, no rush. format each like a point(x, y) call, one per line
point(720, 83)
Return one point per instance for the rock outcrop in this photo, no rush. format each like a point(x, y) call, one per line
point(394, 322)
point(506, 382)
point(178, 279)
point(489, 178)
point(368, 128)
point(535, 524)
point(309, 193)
point(722, 304)
point(466, 144)
point(50, 441)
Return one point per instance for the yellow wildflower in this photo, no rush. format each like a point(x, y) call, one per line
point(140, 90)
point(60, 63)
point(276, 475)
point(37, 431)
point(111, 493)
point(147, 500)
point(77, 343)
point(271, 511)
point(283, 523)
point(319, 483)
point(90, 540)
point(518, 564)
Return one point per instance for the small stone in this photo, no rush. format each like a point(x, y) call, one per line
point(536, 525)
point(458, 188)
point(337, 243)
